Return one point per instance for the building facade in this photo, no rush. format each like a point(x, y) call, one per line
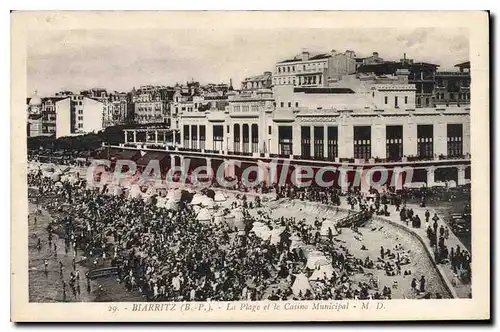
point(357, 122)
point(264, 81)
point(78, 115)
point(319, 70)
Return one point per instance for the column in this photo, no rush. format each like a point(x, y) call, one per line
point(466, 138)
point(241, 137)
point(345, 137)
point(250, 148)
point(440, 139)
point(378, 141)
point(198, 136)
point(147, 136)
point(174, 133)
point(325, 141)
point(430, 176)
point(209, 136)
point(172, 161)
point(135, 136)
point(274, 140)
point(461, 175)
point(410, 139)
point(182, 162)
point(156, 136)
point(126, 136)
point(209, 167)
point(311, 143)
point(296, 139)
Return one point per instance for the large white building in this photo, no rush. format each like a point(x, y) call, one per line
point(366, 120)
point(77, 115)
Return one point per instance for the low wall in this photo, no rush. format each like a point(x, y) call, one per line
point(442, 275)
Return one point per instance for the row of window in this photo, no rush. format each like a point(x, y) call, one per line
point(396, 100)
point(362, 141)
point(301, 80)
point(246, 108)
point(461, 96)
point(291, 69)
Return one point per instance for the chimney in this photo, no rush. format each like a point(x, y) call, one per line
point(267, 73)
point(305, 56)
point(333, 52)
point(375, 54)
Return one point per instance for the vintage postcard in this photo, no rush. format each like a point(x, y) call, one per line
point(250, 166)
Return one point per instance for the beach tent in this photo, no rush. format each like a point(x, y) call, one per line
point(326, 225)
point(219, 217)
point(320, 272)
point(220, 197)
point(315, 261)
point(174, 194)
point(171, 205)
point(115, 190)
point(207, 202)
point(276, 235)
point(160, 202)
point(261, 230)
point(234, 222)
point(135, 192)
point(301, 285)
point(204, 215)
point(197, 199)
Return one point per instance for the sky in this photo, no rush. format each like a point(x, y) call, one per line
point(121, 59)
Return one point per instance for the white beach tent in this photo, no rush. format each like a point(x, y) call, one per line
point(207, 202)
point(204, 215)
point(300, 285)
point(135, 192)
point(296, 242)
point(219, 217)
point(161, 201)
point(220, 197)
point(275, 235)
point(316, 261)
point(171, 205)
point(174, 194)
point(197, 199)
point(326, 225)
point(261, 230)
point(321, 272)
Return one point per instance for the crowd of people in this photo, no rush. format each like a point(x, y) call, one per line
point(153, 249)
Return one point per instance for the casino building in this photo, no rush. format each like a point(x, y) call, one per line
point(361, 120)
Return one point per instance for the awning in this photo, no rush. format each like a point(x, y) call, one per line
point(144, 160)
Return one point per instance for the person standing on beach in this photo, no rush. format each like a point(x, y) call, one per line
point(422, 284)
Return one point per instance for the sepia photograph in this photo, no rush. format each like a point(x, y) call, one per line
point(223, 169)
